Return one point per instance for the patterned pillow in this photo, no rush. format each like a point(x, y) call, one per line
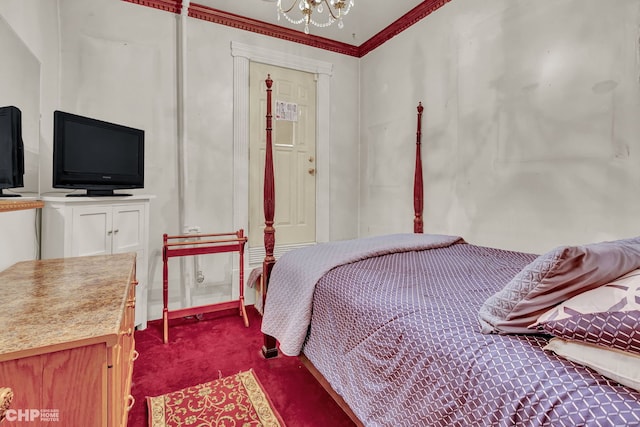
point(619, 366)
point(553, 278)
point(608, 315)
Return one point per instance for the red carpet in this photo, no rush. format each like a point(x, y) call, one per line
point(219, 346)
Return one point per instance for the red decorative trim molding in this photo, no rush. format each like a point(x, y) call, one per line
point(243, 23)
point(405, 21)
point(174, 6)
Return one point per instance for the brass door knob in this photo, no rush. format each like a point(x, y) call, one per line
point(312, 171)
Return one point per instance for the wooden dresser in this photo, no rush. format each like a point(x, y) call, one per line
point(67, 340)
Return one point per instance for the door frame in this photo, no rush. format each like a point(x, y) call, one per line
point(243, 54)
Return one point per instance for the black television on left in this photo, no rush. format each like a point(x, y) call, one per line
point(11, 150)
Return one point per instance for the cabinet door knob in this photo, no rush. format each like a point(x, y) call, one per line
point(116, 230)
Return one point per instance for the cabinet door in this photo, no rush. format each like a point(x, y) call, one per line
point(128, 228)
point(91, 231)
point(75, 383)
point(24, 377)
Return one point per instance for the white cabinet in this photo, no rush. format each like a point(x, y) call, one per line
point(106, 229)
point(81, 226)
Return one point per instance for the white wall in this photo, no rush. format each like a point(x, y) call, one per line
point(530, 127)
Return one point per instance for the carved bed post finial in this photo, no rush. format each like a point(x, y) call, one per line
point(269, 349)
point(418, 202)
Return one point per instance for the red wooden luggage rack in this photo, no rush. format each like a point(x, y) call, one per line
point(200, 244)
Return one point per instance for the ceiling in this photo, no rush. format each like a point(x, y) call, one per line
point(363, 22)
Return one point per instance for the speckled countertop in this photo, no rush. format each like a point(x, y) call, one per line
point(62, 303)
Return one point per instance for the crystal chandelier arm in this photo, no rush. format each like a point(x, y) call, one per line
point(341, 5)
point(330, 9)
point(285, 13)
point(290, 8)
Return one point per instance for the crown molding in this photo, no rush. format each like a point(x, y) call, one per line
point(243, 23)
point(209, 14)
point(174, 6)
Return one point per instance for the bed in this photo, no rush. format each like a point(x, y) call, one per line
point(430, 330)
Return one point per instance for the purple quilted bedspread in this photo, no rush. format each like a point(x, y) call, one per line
point(398, 337)
point(296, 273)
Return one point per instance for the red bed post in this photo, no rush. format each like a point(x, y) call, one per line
point(165, 289)
point(269, 348)
point(417, 179)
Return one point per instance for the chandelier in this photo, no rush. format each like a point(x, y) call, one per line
point(336, 10)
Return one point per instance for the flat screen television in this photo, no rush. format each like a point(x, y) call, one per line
point(11, 150)
point(96, 156)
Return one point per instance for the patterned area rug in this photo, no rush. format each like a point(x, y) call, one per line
point(236, 400)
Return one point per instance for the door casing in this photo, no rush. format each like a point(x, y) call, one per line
point(243, 54)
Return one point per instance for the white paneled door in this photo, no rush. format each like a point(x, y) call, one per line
point(294, 154)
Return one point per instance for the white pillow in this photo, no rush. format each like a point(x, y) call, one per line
point(620, 366)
